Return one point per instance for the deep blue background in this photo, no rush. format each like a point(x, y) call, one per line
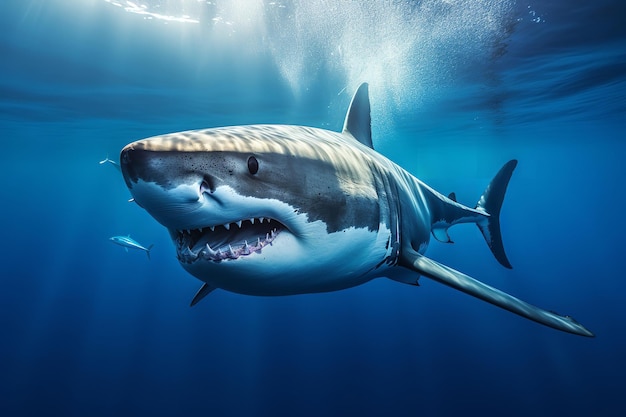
point(457, 89)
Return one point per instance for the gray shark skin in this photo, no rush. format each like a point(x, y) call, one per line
point(280, 210)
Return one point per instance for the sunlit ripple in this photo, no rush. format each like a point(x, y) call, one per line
point(402, 48)
point(146, 11)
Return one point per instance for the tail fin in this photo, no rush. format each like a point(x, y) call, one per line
point(491, 202)
point(149, 249)
point(110, 161)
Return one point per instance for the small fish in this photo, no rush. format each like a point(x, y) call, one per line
point(110, 161)
point(127, 242)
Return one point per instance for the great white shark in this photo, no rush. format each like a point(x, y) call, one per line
point(281, 209)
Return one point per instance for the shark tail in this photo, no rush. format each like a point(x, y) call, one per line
point(148, 250)
point(491, 203)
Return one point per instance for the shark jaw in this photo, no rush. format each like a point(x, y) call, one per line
point(226, 242)
point(220, 227)
point(280, 253)
point(259, 246)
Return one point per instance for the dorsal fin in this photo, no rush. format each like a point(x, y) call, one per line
point(358, 121)
point(452, 196)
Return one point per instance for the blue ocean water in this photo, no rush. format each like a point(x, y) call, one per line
point(458, 87)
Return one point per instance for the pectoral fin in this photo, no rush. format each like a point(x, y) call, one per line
point(202, 292)
point(457, 280)
point(441, 234)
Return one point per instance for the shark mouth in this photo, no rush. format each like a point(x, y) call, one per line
point(227, 241)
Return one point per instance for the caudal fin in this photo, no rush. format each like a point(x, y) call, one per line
point(491, 202)
point(148, 250)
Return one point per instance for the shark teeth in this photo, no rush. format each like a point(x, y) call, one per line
point(245, 250)
point(187, 255)
point(230, 252)
point(208, 251)
point(228, 226)
point(227, 241)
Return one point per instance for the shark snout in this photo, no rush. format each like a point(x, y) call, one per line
point(130, 160)
point(166, 168)
point(161, 185)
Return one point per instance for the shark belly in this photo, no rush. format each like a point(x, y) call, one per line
point(355, 256)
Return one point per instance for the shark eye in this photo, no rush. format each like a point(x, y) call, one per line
point(253, 165)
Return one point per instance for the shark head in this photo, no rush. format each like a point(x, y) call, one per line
point(266, 209)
